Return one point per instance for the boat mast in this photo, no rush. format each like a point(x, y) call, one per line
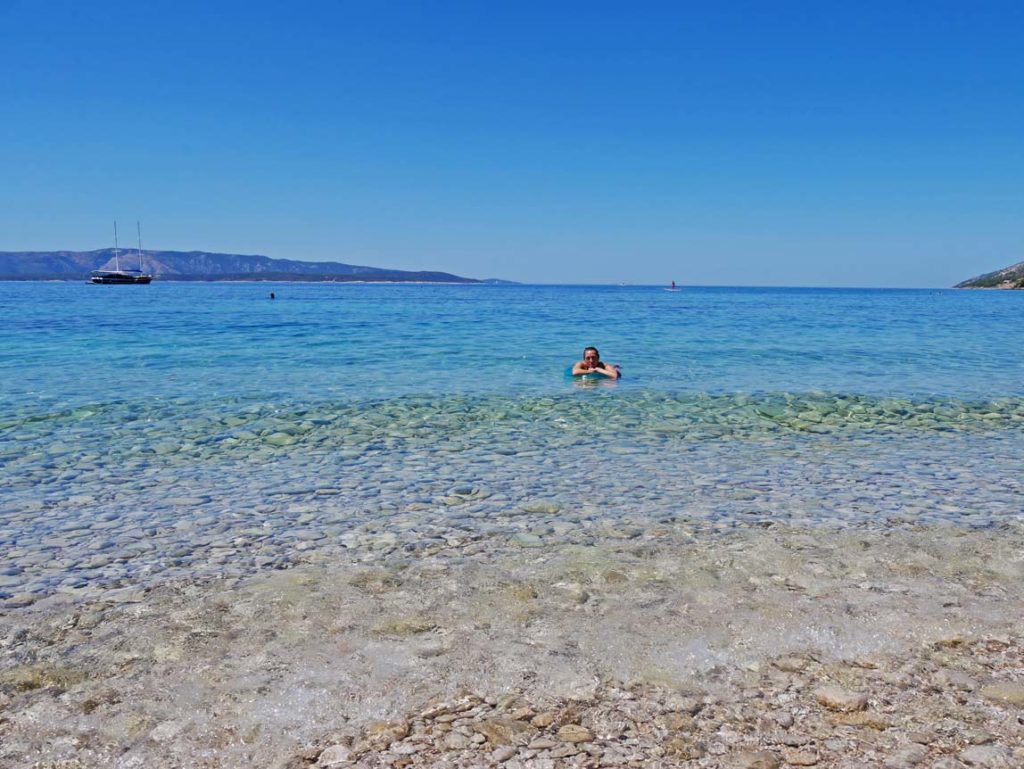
point(138, 229)
point(117, 264)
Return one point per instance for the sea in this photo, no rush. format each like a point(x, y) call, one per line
point(191, 431)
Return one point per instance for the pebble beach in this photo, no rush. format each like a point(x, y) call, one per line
point(683, 645)
point(224, 547)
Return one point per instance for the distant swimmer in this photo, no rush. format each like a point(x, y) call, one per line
point(592, 364)
point(272, 295)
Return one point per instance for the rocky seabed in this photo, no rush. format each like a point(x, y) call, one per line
point(113, 498)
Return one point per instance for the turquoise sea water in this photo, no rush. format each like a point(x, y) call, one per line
point(69, 343)
point(193, 429)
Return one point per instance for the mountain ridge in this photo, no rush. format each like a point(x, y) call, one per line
point(202, 265)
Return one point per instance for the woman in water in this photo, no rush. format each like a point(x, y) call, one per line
point(592, 364)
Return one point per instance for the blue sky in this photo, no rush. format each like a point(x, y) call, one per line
point(719, 143)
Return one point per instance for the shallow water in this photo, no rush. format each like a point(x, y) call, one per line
point(183, 430)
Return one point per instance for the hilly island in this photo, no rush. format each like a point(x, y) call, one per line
point(1008, 277)
point(203, 265)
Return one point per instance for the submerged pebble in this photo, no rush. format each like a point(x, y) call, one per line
point(154, 524)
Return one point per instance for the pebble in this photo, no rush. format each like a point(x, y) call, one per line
point(784, 719)
point(792, 664)
point(675, 722)
point(840, 700)
point(978, 737)
point(544, 720)
point(500, 731)
point(800, 757)
point(528, 540)
point(543, 743)
point(861, 718)
point(956, 679)
point(456, 741)
point(20, 600)
point(502, 754)
point(1004, 693)
point(575, 733)
point(755, 759)
point(387, 732)
point(989, 757)
point(906, 757)
point(690, 706)
point(335, 756)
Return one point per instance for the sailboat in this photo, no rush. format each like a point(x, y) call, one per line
point(117, 275)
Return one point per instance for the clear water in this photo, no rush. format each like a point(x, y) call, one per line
point(72, 344)
point(196, 429)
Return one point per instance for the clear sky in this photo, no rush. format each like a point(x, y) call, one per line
point(788, 143)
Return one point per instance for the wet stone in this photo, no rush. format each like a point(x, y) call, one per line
point(575, 733)
point(387, 732)
point(840, 700)
point(989, 757)
point(801, 757)
point(1004, 693)
point(676, 722)
point(528, 540)
point(501, 731)
point(906, 757)
point(335, 756)
point(544, 720)
point(754, 759)
point(956, 679)
point(19, 600)
point(280, 439)
point(866, 719)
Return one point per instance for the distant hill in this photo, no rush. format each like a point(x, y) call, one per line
point(1009, 277)
point(200, 265)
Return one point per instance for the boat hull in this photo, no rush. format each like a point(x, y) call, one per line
point(119, 278)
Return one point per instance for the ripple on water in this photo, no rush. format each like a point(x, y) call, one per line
point(193, 487)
